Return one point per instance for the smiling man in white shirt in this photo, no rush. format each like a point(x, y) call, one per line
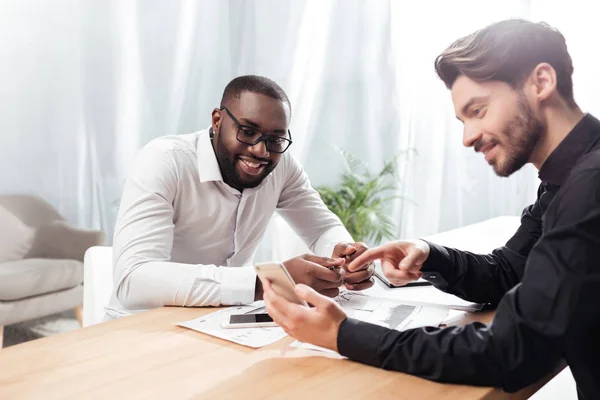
point(196, 206)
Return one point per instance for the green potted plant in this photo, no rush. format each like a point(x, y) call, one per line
point(362, 200)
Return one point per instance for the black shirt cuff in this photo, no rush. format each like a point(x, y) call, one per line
point(438, 268)
point(360, 341)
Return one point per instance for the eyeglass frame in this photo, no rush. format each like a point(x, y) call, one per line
point(261, 138)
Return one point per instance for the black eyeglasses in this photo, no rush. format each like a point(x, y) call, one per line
point(251, 136)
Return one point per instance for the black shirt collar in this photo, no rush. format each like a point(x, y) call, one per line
point(578, 142)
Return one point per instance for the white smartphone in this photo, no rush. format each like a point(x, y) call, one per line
point(248, 321)
point(281, 280)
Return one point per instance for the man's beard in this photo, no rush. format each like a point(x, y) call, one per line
point(228, 168)
point(521, 135)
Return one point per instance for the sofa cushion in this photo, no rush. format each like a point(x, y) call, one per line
point(32, 277)
point(40, 306)
point(15, 237)
point(58, 239)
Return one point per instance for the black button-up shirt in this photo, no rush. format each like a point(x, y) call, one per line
point(545, 283)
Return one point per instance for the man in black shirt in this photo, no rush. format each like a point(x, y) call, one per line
point(511, 87)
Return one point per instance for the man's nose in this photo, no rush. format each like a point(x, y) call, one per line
point(471, 134)
point(260, 149)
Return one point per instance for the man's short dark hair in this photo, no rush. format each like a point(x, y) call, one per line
point(508, 51)
point(254, 84)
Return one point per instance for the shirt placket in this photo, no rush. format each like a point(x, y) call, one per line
point(241, 199)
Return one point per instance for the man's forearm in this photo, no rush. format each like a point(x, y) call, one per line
point(473, 277)
point(157, 283)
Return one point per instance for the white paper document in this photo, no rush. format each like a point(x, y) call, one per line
point(386, 312)
point(251, 337)
point(380, 311)
point(390, 313)
point(423, 295)
point(454, 316)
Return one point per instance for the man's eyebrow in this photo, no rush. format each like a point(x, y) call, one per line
point(257, 126)
point(250, 123)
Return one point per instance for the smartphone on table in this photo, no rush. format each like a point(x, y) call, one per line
point(248, 321)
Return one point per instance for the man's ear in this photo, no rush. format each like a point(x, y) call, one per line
point(543, 81)
point(215, 120)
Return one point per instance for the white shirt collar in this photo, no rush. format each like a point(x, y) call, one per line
point(208, 167)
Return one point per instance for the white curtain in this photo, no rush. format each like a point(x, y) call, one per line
point(85, 84)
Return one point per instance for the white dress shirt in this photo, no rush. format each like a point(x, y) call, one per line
point(185, 238)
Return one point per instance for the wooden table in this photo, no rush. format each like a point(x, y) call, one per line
point(147, 356)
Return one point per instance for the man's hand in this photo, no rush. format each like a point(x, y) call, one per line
point(321, 273)
point(318, 325)
point(401, 260)
point(360, 278)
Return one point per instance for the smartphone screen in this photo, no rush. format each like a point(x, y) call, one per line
point(249, 318)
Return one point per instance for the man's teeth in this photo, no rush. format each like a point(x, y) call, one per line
point(252, 164)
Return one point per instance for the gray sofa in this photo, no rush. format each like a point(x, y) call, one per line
point(41, 260)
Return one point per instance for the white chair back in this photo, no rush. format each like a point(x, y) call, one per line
point(97, 283)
